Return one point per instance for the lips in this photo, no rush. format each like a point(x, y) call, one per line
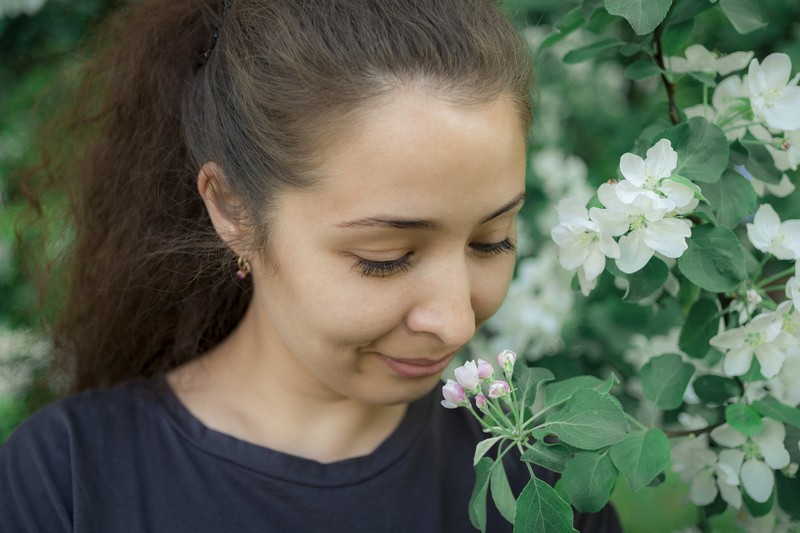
point(416, 368)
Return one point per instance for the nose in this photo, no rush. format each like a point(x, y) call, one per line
point(445, 305)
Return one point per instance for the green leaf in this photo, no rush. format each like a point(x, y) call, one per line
point(701, 324)
point(551, 456)
point(788, 489)
point(702, 149)
point(642, 69)
point(714, 260)
point(665, 378)
point(772, 408)
point(589, 420)
point(589, 51)
point(526, 379)
point(732, 198)
point(743, 419)
point(687, 10)
point(760, 164)
point(483, 447)
point(642, 15)
point(541, 509)
point(743, 14)
point(716, 389)
point(561, 391)
point(588, 480)
point(501, 492)
point(567, 24)
point(646, 281)
point(641, 457)
point(477, 501)
point(676, 35)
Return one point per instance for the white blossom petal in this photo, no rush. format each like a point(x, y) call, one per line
point(703, 490)
point(633, 168)
point(733, 62)
point(737, 361)
point(758, 480)
point(668, 236)
point(727, 436)
point(661, 159)
point(633, 252)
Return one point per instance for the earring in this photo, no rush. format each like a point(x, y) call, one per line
point(244, 267)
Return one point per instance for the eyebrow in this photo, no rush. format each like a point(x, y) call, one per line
point(415, 223)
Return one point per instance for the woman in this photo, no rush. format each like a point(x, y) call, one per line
point(361, 164)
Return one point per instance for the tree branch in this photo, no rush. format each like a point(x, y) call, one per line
point(686, 433)
point(669, 85)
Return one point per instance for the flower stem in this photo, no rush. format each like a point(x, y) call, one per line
point(775, 277)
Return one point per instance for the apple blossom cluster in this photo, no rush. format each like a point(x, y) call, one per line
point(644, 210)
point(471, 380)
point(765, 102)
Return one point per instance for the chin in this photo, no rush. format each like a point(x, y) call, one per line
point(403, 392)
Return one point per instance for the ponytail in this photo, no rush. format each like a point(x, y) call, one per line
point(151, 284)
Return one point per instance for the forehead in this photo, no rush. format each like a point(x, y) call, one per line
point(419, 155)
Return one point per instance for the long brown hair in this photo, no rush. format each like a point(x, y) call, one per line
point(150, 283)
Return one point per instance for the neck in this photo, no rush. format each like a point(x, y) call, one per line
point(244, 389)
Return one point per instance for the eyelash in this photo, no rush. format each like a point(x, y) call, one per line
point(383, 269)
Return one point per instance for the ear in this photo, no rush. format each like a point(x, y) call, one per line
point(221, 204)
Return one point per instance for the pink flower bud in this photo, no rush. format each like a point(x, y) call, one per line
point(454, 395)
point(480, 402)
point(467, 376)
point(506, 357)
point(485, 370)
point(499, 389)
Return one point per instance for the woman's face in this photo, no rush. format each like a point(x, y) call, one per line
point(382, 272)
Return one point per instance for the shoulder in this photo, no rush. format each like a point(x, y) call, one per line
point(38, 461)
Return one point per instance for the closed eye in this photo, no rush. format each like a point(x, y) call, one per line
point(382, 269)
point(494, 248)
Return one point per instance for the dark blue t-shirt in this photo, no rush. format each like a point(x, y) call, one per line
point(133, 458)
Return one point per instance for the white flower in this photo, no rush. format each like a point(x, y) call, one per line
point(467, 377)
point(699, 59)
point(764, 453)
point(773, 96)
point(793, 287)
point(763, 337)
point(770, 235)
point(644, 226)
point(647, 177)
point(582, 244)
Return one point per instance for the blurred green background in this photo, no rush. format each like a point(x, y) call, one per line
point(589, 110)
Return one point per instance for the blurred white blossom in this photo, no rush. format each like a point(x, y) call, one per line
point(730, 108)
point(538, 302)
point(13, 8)
point(765, 452)
point(699, 59)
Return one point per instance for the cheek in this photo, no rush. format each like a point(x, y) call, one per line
point(491, 288)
